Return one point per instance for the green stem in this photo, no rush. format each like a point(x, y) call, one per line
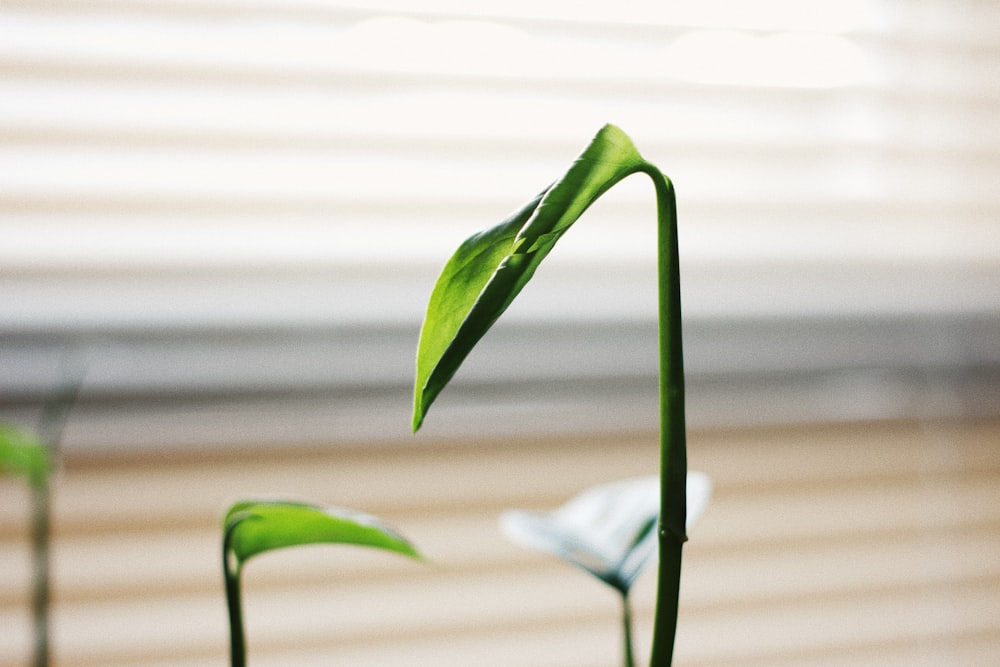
point(627, 629)
point(52, 422)
point(234, 602)
point(673, 448)
point(40, 555)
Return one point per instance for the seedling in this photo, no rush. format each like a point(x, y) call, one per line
point(251, 528)
point(608, 531)
point(34, 456)
point(23, 453)
point(491, 268)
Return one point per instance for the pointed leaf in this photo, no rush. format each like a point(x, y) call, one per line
point(255, 527)
point(489, 269)
point(608, 530)
point(21, 453)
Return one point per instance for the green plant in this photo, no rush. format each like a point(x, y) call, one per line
point(251, 528)
point(34, 456)
point(23, 453)
point(490, 269)
point(607, 531)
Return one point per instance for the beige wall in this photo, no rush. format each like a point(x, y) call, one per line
point(854, 544)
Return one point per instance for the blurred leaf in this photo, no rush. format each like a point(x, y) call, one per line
point(489, 269)
point(608, 530)
point(255, 527)
point(21, 453)
point(699, 492)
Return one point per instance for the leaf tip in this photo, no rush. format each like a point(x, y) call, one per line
point(419, 411)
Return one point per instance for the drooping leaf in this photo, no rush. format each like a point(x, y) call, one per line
point(489, 269)
point(21, 453)
point(255, 527)
point(608, 530)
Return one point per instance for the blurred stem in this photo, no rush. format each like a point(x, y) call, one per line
point(627, 629)
point(40, 567)
point(51, 423)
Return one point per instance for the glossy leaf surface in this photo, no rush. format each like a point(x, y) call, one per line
point(490, 269)
point(608, 530)
point(21, 453)
point(255, 527)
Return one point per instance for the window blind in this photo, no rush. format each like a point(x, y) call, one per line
point(225, 216)
point(215, 136)
point(171, 172)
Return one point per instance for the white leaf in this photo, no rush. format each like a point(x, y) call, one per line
point(608, 530)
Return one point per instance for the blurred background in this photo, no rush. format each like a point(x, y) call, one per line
point(221, 221)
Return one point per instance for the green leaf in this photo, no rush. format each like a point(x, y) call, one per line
point(489, 269)
point(21, 453)
point(255, 527)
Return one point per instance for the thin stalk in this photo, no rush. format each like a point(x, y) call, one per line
point(673, 447)
point(40, 520)
point(52, 422)
point(627, 629)
point(234, 602)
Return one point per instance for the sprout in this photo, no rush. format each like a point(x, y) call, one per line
point(255, 527)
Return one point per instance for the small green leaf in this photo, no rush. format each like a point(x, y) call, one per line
point(21, 453)
point(489, 269)
point(255, 527)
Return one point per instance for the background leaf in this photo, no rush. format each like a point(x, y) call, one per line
point(608, 530)
point(255, 527)
point(21, 453)
point(489, 269)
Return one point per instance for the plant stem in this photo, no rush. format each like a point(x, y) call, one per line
point(627, 629)
point(40, 555)
point(52, 422)
point(673, 448)
point(234, 602)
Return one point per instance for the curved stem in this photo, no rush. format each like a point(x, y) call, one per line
point(673, 447)
point(237, 636)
